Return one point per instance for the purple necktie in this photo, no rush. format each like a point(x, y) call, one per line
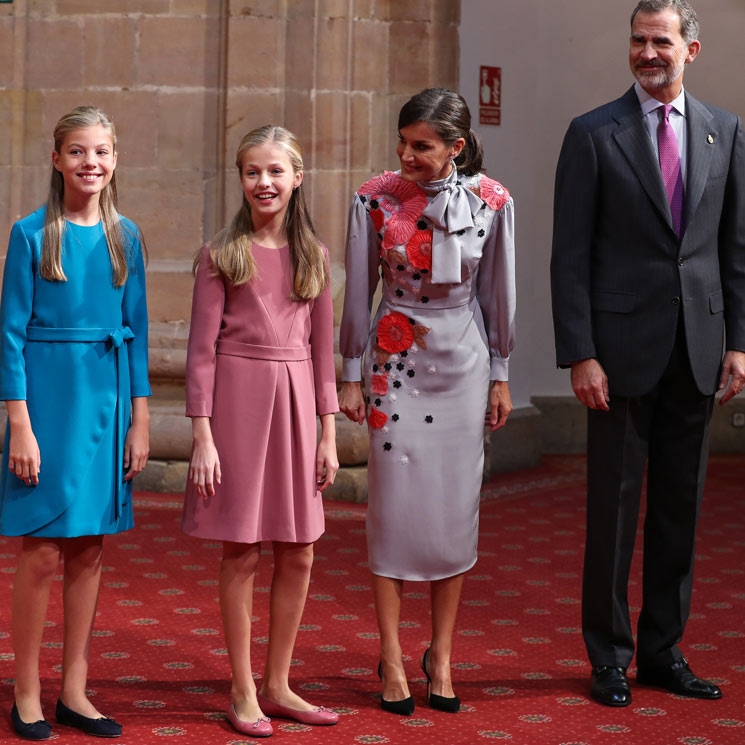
point(670, 166)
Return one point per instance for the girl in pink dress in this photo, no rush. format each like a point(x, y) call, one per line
point(259, 369)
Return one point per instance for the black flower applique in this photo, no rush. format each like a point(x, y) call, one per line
point(374, 204)
point(400, 267)
point(375, 368)
point(378, 402)
point(410, 373)
point(429, 419)
point(387, 366)
point(399, 292)
point(387, 446)
point(481, 233)
point(400, 366)
point(368, 400)
point(424, 271)
point(425, 299)
point(396, 383)
point(395, 417)
point(363, 198)
point(421, 225)
point(405, 353)
point(416, 275)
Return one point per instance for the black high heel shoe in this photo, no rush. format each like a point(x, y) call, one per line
point(403, 707)
point(441, 703)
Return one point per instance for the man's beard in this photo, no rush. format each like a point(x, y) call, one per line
point(661, 77)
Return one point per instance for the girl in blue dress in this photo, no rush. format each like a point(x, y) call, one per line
point(73, 374)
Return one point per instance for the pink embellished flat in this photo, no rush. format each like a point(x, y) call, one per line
point(262, 727)
point(321, 715)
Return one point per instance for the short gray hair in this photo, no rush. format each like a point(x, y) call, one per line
point(689, 25)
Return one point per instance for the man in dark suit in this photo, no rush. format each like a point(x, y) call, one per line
point(648, 278)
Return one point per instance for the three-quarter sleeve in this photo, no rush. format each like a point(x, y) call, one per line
point(496, 289)
point(362, 261)
point(208, 301)
point(15, 313)
point(322, 349)
point(134, 315)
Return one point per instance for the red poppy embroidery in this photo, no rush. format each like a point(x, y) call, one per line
point(493, 193)
point(378, 219)
point(419, 249)
point(404, 200)
point(380, 384)
point(376, 418)
point(395, 333)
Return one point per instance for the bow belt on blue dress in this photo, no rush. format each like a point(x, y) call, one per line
point(114, 337)
point(259, 352)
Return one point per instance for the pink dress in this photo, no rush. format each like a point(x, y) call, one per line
point(261, 366)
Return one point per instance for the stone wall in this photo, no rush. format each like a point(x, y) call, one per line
point(183, 81)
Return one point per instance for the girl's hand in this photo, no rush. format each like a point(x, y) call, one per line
point(500, 405)
point(137, 442)
point(327, 464)
point(352, 402)
point(204, 465)
point(24, 456)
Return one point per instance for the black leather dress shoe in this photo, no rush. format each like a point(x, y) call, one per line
point(610, 686)
point(98, 727)
point(678, 678)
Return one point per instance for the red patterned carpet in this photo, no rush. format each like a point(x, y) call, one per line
point(158, 660)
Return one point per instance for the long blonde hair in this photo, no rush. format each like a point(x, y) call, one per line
point(230, 249)
point(54, 221)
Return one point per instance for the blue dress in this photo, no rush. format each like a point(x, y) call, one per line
point(76, 351)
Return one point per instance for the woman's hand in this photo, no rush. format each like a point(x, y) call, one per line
point(327, 463)
point(500, 405)
point(204, 465)
point(137, 442)
point(352, 402)
point(24, 456)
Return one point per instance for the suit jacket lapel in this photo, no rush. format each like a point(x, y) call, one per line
point(701, 139)
point(632, 137)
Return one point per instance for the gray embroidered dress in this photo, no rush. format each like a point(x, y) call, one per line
point(444, 327)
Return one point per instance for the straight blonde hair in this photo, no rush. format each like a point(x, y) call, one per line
point(54, 221)
point(230, 249)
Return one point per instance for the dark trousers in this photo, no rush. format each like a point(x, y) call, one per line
point(667, 428)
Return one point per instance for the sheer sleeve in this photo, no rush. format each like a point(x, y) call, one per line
point(496, 289)
point(361, 261)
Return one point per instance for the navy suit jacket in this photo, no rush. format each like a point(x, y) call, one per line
point(621, 278)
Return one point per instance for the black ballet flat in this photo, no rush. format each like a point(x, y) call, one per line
point(100, 727)
point(40, 730)
point(450, 704)
point(403, 707)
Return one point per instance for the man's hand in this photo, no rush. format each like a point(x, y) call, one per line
point(733, 372)
point(590, 384)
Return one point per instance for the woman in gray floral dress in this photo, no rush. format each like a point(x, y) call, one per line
point(434, 362)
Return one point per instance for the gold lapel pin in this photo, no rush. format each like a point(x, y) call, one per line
point(710, 139)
